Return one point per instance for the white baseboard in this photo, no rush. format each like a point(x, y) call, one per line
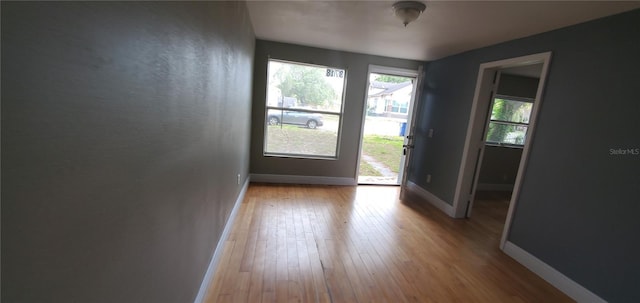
point(293, 179)
point(551, 275)
point(431, 198)
point(217, 254)
point(495, 187)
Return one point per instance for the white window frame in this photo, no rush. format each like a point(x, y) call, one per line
point(508, 98)
point(282, 108)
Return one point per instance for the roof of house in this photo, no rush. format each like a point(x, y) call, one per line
point(388, 88)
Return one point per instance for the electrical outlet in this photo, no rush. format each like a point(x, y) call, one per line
point(238, 179)
point(428, 178)
point(431, 133)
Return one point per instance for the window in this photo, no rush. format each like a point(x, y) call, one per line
point(303, 110)
point(509, 120)
point(400, 107)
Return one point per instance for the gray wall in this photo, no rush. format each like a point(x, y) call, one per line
point(123, 126)
point(499, 166)
point(518, 86)
point(357, 67)
point(578, 206)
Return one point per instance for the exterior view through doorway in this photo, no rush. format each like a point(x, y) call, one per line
point(386, 125)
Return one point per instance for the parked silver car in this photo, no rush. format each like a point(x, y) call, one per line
point(310, 120)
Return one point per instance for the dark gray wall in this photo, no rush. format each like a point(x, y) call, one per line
point(499, 165)
point(578, 207)
point(123, 126)
point(357, 68)
point(518, 86)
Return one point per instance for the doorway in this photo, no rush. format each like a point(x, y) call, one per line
point(505, 130)
point(386, 124)
point(488, 127)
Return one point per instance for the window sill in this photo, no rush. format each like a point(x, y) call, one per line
point(296, 156)
point(508, 145)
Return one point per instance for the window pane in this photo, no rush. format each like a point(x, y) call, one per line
point(296, 137)
point(511, 111)
point(506, 133)
point(304, 107)
point(404, 108)
point(396, 107)
point(399, 107)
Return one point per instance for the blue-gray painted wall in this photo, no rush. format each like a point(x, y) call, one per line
point(579, 204)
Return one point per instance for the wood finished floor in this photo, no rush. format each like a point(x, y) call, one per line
point(295, 243)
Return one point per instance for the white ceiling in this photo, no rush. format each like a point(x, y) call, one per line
point(445, 28)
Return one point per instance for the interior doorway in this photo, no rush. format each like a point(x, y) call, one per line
point(387, 117)
point(490, 128)
point(505, 130)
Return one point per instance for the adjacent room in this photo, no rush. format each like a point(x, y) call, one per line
point(320, 151)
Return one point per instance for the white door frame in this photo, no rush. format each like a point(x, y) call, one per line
point(483, 91)
point(394, 71)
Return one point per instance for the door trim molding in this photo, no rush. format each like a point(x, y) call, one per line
point(484, 83)
point(482, 91)
point(551, 275)
point(545, 59)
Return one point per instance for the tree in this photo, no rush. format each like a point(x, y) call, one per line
point(307, 84)
point(508, 111)
point(391, 79)
point(500, 112)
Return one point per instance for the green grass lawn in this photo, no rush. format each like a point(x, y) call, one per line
point(367, 170)
point(291, 139)
point(385, 149)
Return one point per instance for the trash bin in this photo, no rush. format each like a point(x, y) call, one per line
point(403, 128)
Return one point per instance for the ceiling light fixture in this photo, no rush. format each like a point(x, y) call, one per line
point(408, 11)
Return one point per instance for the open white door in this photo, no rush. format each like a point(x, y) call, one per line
point(481, 146)
point(387, 125)
point(409, 137)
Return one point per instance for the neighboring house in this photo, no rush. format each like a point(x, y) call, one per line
point(275, 98)
point(389, 99)
point(283, 102)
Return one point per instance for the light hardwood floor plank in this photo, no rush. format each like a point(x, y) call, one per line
point(303, 243)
